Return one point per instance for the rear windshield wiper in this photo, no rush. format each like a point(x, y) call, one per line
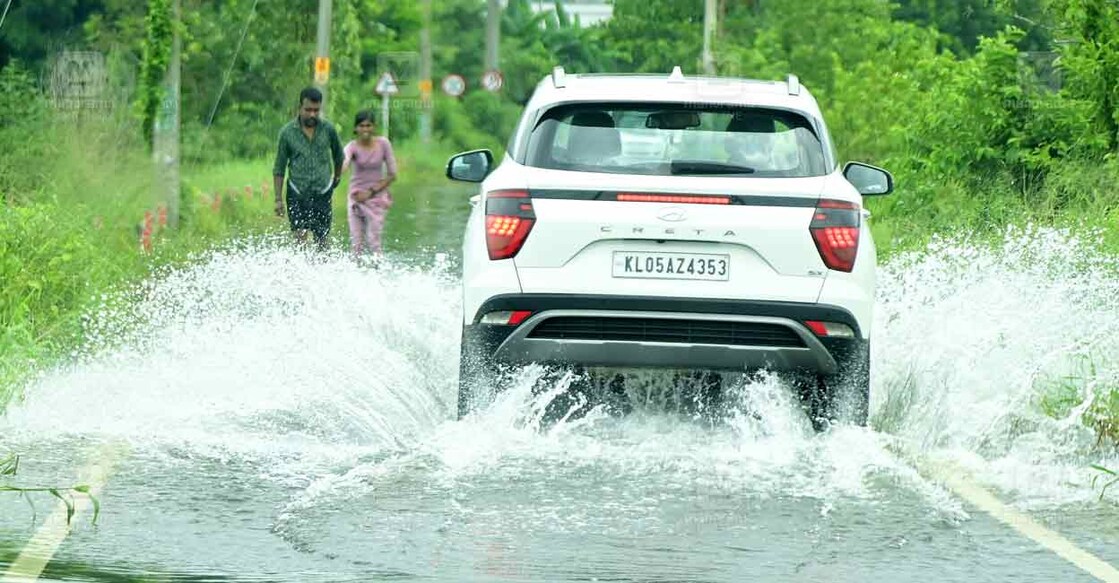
point(700, 167)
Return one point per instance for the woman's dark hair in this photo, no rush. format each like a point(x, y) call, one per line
point(364, 115)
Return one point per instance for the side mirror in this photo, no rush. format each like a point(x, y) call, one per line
point(868, 180)
point(472, 166)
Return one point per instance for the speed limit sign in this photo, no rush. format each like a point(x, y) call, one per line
point(454, 85)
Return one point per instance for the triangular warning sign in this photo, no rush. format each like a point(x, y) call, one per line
point(386, 85)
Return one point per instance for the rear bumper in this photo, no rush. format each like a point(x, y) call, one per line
point(657, 332)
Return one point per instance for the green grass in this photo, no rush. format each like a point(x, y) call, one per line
point(1088, 391)
point(1076, 195)
point(73, 201)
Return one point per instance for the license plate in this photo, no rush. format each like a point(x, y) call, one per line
point(655, 265)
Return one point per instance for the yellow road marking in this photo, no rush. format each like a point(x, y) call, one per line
point(959, 482)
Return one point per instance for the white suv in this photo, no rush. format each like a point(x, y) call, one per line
point(672, 222)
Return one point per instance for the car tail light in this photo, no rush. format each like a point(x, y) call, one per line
point(507, 318)
point(830, 329)
point(835, 229)
point(509, 219)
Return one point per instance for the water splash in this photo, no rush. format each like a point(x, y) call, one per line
point(339, 382)
point(970, 339)
point(261, 348)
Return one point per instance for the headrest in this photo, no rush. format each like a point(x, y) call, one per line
point(752, 122)
point(592, 119)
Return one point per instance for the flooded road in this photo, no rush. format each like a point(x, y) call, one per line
point(263, 416)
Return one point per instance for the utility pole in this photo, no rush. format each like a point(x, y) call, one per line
point(493, 34)
point(710, 18)
point(426, 87)
point(322, 52)
point(168, 124)
point(174, 190)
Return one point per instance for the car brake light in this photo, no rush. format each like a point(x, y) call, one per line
point(509, 219)
point(672, 198)
point(835, 229)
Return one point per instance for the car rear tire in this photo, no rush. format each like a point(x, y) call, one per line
point(842, 397)
point(476, 373)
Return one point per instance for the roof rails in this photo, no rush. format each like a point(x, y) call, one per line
point(559, 77)
point(793, 84)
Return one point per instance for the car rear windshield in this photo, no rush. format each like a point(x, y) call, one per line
point(676, 139)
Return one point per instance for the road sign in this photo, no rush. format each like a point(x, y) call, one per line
point(79, 79)
point(386, 85)
point(404, 66)
point(454, 85)
point(492, 80)
point(322, 70)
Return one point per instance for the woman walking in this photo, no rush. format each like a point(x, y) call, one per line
point(369, 198)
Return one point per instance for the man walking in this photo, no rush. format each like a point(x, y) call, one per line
point(310, 152)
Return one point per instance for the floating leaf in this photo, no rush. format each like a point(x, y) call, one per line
point(9, 465)
point(1114, 480)
point(34, 513)
point(1104, 470)
point(96, 508)
point(69, 505)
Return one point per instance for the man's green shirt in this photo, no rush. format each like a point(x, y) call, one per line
point(309, 162)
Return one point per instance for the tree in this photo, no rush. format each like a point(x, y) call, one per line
point(574, 46)
point(653, 36)
point(964, 22)
point(1090, 59)
point(32, 30)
